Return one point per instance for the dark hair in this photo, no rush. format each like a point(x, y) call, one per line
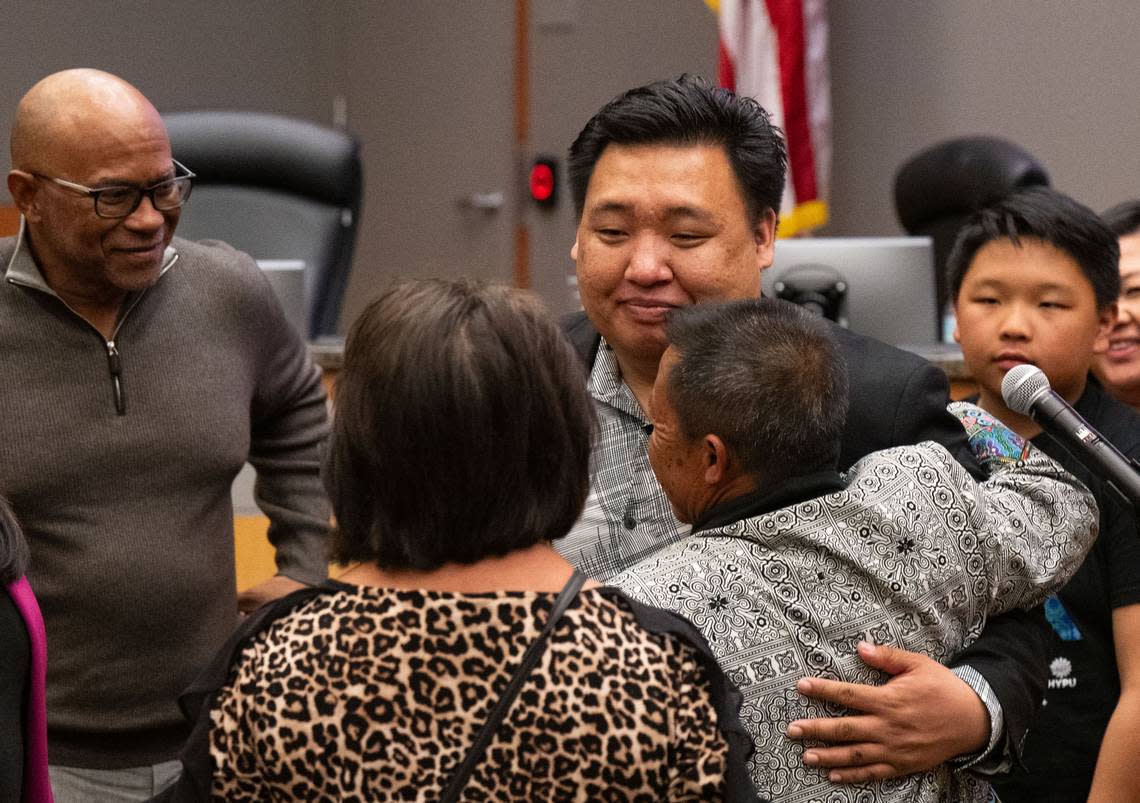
point(462, 428)
point(1042, 214)
point(1124, 218)
point(688, 111)
point(13, 547)
point(766, 377)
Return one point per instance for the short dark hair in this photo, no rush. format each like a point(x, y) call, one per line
point(766, 377)
point(1124, 218)
point(688, 110)
point(1042, 214)
point(13, 546)
point(462, 428)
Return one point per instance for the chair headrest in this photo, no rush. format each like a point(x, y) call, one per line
point(960, 176)
point(270, 151)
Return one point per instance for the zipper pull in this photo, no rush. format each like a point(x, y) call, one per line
point(114, 363)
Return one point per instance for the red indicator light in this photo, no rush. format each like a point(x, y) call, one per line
point(542, 181)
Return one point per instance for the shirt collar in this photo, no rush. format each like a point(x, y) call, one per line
point(22, 268)
point(768, 498)
point(607, 386)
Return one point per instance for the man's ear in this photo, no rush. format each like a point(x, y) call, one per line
point(23, 188)
point(956, 334)
point(1106, 319)
point(714, 460)
point(764, 234)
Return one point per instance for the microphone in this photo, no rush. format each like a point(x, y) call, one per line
point(1026, 390)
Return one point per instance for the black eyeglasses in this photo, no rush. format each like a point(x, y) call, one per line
point(116, 202)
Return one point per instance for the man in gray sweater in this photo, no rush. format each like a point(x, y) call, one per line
point(140, 373)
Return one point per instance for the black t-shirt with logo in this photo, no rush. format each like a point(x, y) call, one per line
point(1061, 748)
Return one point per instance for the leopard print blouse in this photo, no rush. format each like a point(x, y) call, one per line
point(377, 694)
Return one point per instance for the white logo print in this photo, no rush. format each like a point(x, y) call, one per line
point(1061, 668)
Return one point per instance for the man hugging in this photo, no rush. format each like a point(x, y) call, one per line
point(791, 565)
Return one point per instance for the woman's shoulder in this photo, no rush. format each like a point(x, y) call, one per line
point(348, 619)
point(619, 636)
point(685, 663)
point(363, 620)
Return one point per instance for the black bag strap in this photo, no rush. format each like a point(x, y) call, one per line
point(530, 658)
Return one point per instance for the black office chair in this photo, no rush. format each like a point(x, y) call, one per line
point(276, 188)
point(937, 189)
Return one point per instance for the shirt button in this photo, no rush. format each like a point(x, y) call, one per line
point(629, 522)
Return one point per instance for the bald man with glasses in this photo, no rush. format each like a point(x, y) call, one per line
point(118, 202)
point(140, 373)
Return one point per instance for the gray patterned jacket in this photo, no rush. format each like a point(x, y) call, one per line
point(913, 552)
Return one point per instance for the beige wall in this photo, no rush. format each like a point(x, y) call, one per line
point(1057, 77)
point(265, 55)
point(613, 46)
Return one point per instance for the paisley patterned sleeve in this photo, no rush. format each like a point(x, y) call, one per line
point(994, 444)
point(1031, 522)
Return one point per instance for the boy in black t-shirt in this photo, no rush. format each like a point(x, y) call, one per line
point(1035, 280)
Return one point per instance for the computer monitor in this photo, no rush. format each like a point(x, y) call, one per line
point(287, 278)
point(877, 286)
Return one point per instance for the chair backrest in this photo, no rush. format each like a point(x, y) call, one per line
point(276, 188)
point(938, 188)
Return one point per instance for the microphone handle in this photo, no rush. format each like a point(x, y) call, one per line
point(1087, 445)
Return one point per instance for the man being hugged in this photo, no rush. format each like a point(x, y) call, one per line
point(791, 565)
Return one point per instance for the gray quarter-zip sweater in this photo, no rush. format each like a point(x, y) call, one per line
point(118, 455)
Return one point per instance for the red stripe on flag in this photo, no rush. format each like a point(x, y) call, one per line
point(787, 18)
point(725, 69)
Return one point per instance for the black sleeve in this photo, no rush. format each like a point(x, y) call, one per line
point(1012, 654)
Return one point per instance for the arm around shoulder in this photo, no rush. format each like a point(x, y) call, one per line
point(1033, 521)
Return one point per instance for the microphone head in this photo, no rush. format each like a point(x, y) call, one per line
point(1022, 385)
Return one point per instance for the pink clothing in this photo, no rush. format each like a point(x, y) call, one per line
point(37, 785)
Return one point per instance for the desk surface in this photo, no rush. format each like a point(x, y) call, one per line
point(328, 353)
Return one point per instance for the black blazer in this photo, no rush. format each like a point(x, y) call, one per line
point(898, 398)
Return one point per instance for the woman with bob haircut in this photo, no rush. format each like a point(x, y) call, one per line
point(23, 670)
point(460, 657)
